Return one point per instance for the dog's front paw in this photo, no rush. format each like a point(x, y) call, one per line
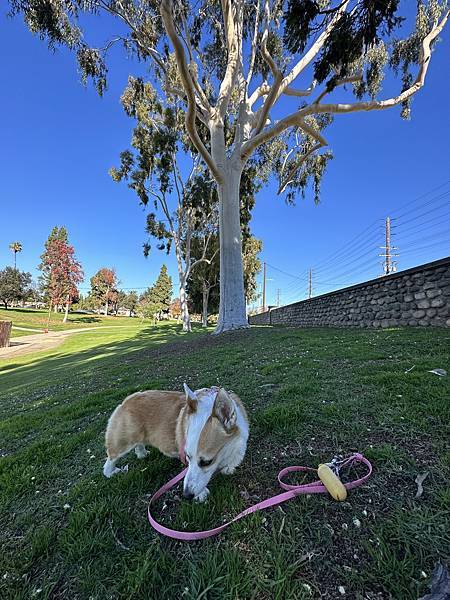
point(228, 470)
point(109, 472)
point(202, 496)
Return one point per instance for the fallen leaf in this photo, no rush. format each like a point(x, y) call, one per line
point(440, 372)
point(440, 584)
point(419, 480)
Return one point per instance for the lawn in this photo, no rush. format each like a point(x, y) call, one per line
point(38, 319)
point(311, 393)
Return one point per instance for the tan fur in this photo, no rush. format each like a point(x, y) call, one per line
point(148, 418)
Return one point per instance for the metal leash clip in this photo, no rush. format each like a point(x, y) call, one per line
point(335, 464)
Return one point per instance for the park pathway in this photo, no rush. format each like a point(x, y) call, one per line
point(43, 341)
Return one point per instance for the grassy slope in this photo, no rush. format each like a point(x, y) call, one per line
point(310, 393)
point(37, 319)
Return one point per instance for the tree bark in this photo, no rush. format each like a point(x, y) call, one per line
point(232, 311)
point(66, 312)
point(205, 293)
point(184, 304)
point(106, 308)
point(5, 333)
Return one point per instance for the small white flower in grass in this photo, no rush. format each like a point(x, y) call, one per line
point(341, 590)
point(307, 588)
point(364, 512)
point(423, 574)
point(37, 492)
point(66, 506)
point(356, 522)
point(92, 456)
point(33, 478)
point(344, 526)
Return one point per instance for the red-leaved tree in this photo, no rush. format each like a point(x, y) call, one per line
point(104, 288)
point(64, 273)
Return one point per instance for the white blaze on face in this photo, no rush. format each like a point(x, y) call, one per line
point(197, 477)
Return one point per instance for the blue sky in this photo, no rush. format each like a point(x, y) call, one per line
point(59, 139)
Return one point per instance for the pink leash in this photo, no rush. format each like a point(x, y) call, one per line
point(316, 487)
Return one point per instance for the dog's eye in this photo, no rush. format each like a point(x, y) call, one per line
point(204, 463)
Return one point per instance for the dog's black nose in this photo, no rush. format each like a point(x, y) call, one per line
point(188, 495)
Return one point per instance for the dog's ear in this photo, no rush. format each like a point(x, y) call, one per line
point(191, 398)
point(225, 410)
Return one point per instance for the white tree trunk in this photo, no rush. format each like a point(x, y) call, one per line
point(205, 293)
point(232, 312)
point(66, 313)
point(106, 308)
point(184, 304)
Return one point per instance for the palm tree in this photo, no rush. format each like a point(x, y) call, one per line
point(15, 247)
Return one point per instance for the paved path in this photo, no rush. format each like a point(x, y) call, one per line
point(44, 341)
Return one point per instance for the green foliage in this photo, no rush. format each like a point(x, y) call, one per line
point(157, 299)
point(14, 285)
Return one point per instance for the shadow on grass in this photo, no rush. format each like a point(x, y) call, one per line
point(66, 361)
point(84, 319)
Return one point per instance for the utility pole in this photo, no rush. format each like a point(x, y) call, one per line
point(310, 289)
point(389, 265)
point(264, 287)
point(278, 297)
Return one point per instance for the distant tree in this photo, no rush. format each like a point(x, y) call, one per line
point(203, 288)
point(126, 300)
point(104, 288)
point(14, 285)
point(57, 233)
point(162, 291)
point(15, 247)
point(252, 266)
point(175, 308)
point(61, 270)
point(35, 293)
point(156, 299)
point(130, 302)
point(182, 200)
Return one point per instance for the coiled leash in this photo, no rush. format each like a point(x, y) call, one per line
point(315, 487)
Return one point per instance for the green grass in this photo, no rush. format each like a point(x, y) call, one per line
point(38, 319)
point(70, 533)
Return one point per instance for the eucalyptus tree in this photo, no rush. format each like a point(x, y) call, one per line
point(240, 68)
point(166, 172)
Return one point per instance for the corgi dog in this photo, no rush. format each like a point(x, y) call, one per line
point(209, 427)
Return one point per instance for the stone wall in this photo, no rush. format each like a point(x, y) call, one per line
point(415, 297)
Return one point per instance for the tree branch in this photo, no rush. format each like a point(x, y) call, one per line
point(186, 79)
point(230, 22)
point(255, 39)
point(337, 83)
point(298, 117)
point(313, 51)
point(277, 75)
point(298, 162)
